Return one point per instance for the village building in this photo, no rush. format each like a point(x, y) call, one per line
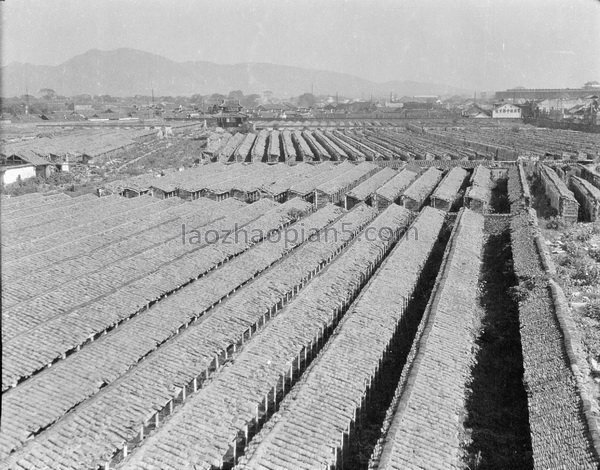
point(506, 111)
point(22, 165)
point(162, 188)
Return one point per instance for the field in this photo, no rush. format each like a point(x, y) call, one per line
point(307, 297)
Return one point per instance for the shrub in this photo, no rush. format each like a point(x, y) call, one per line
point(20, 187)
point(595, 254)
point(584, 236)
point(593, 310)
point(574, 250)
point(555, 223)
point(586, 274)
point(596, 228)
point(565, 261)
point(521, 292)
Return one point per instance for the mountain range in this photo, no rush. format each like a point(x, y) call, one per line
point(127, 72)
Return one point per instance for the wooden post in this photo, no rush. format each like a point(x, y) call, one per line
point(342, 452)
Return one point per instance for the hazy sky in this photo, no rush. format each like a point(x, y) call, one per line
point(475, 44)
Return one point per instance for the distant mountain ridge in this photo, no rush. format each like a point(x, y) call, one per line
point(127, 72)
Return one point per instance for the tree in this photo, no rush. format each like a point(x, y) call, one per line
point(236, 95)
point(48, 93)
point(307, 100)
point(250, 101)
point(107, 99)
point(592, 84)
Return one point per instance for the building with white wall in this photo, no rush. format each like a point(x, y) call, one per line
point(507, 111)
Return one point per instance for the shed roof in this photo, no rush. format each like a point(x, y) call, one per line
point(30, 156)
point(482, 176)
point(424, 185)
point(372, 184)
point(588, 187)
point(451, 184)
point(479, 193)
point(558, 183)
point(346, 178)
point(394, 187)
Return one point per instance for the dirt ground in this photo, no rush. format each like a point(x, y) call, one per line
point(497, 418)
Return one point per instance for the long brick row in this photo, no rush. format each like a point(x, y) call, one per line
point(41, 276)
point(262, 373)
point(23, 317)
point(479, 194)
point(17, 280)
point(14, 204)
point(68, 383)
point(311, 428)
point(102, 429)
point(24, 215)
point(518, 188)
point(419, 191)
point(426, 429)
point(448, 192)
point(66, 333)
point(352, 151)
point(24, 254)
point(70, 213)
point(370, 153)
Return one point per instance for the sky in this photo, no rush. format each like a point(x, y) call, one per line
point(471, 44)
